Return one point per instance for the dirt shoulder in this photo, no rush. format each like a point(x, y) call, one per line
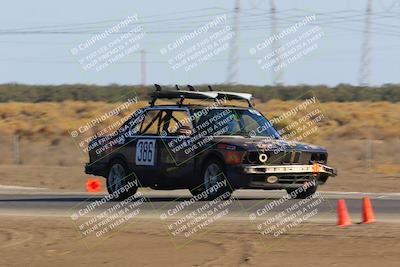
point(28, 241)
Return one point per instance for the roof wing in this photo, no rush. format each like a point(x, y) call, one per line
point(234, 95)
point(210, 95)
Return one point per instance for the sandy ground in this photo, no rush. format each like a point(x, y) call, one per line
point(55, 242)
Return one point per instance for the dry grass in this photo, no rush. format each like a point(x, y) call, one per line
point(362, 139)
point(351, 120)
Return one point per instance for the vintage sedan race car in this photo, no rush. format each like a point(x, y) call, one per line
point(209, 149)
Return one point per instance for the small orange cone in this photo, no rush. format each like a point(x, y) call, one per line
point(93, 185)
point(343, 215)
point(368, 212)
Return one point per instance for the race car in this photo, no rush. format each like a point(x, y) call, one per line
point(212, 149)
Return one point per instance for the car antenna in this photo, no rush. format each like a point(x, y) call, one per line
point(210, 88)
point(191, 88)
point(158, 87)
point(177, 87)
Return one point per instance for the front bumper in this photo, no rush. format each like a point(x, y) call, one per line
point(96, 169)
point(89, 169)
point(285, 176)
point(290, 169)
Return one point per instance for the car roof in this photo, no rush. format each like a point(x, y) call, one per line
point(190, 107)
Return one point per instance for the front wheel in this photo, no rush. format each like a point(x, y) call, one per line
point(214, 182)
point(120, 183)
point(301, 194)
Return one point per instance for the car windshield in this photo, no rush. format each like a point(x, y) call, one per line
point(244, 122)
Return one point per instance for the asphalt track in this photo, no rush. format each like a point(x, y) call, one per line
point(18, 201)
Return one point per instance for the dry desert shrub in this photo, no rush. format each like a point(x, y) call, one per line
point(349, 120)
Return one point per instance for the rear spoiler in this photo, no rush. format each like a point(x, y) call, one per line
point(192, 94)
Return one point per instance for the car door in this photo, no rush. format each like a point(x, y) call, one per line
point(145, 147)
point(176, 155)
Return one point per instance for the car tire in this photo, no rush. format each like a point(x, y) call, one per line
point(303, 194)
point(118, 177)
point(212, 173)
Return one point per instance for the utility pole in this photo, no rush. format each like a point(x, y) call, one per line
point(277, 75)
point(233, 60)
point(365, 63)
point(143, 66)
point(16, 142)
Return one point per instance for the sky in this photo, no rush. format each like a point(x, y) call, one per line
point(43, 42)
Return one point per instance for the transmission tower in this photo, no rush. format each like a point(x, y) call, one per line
point(365, 64)
point(277, 75)
point(233, 60)
point(143, 66)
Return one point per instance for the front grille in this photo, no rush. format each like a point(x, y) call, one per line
point(319, 158)
point(287, 159)
point(295, 157)
point(283, 157)
point(275, 158)
point(294, 179)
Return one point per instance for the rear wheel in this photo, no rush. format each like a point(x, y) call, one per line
point(213, 182)
point(120, 182)
point(301, 194)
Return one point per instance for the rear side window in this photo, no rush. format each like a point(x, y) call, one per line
point(178, 119)
point(150, 125)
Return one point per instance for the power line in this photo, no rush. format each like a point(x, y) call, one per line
point(245, 25)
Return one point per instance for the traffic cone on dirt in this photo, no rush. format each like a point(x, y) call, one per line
point(343, 215)
point(367, 211)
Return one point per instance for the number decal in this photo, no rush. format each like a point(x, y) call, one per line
point(145, 152)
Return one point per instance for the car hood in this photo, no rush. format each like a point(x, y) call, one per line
point(258, 143)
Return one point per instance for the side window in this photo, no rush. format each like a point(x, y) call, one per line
point(179, 119)
point(226, 119)
point(233, 122)
point(163, 121)
point(248, 122)
point(151, 122)
point(135, 122)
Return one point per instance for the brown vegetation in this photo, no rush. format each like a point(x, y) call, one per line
point(362, 139)
point(350, 120)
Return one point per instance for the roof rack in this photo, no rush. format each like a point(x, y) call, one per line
point(193, 94)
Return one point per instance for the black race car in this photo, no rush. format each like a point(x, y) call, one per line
point(209, 149)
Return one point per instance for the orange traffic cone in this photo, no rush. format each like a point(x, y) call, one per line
point(93, 185)
point(343, 215)
point(368, 212)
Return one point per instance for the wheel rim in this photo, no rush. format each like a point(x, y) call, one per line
point(116, 177)
point(211, 175)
